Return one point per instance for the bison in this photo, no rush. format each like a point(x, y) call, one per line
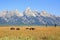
point(17, 28)
point(30, 28)
point(12, 28)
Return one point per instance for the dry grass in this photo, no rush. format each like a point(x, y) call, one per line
point(40, 33)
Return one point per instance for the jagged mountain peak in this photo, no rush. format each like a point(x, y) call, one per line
point(17, 13)
point(28, 12)
point(3, 13)
point(6, 13)
point(46, 14)
point(28, 8)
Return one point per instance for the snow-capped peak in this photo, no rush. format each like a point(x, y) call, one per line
point(3, 13)
point(28, 12)
point(17, 13)
point(6, 13)
point(45, 14)
point(28, 8)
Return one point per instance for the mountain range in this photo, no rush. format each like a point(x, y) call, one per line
point(28, 17)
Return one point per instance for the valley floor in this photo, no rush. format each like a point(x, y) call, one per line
point(24, 33)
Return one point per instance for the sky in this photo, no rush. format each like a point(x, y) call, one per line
point(51, 6)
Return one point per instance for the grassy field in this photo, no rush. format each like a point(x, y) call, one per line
point(39, 33)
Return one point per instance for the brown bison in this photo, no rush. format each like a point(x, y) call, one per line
point(17, 28)
point(30, 28)
point(12, 28)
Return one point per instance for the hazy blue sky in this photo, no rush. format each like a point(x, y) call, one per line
point(51, 6)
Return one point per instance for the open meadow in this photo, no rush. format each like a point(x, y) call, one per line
point(25, 33)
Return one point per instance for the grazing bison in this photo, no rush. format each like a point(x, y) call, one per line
point(12, 28)
point(27, 28)
point(17, 28)
point(30, 28)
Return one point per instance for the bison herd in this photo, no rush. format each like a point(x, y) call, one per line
point(19, 28)
point(29, 28)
